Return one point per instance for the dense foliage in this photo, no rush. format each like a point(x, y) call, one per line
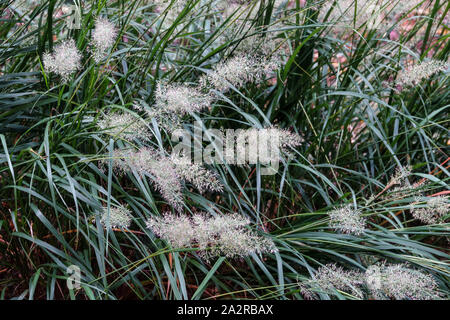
point(358, 208)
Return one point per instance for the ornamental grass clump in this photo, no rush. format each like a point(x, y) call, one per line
point(295, 115)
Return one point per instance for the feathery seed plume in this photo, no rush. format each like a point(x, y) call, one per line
point(435, 209)
point(238, 71)
point(118, 217)
point(148, 161)
point(124, 125)
point(414, 75)
point(200, 177)
point(398, 281)
point(103, 38)
point(64, 61)
point(347, 220)
point(224, 235)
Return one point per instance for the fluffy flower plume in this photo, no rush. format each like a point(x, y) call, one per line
point(180, 99)
point(176, 230)
point(238, 71)
point(347, 220)
point(268, 143)
point(379, 281)
point(332, 277)
point(64, 61)
point(288, 140)
point(201, 178)
point(168, 172)
point(118, 217)
point(398, 281)
point(148, 161)
point(103, 38)
point(225, 235)
point(433, 212)
point(173, 102)
point(124, 126)
point(415, 74)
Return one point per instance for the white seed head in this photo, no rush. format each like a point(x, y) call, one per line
point(398, 281)
point(238, 71)
point(64, 61)
point(332, 277)
point(433, 212)
point(266, 144)
point(124, 125)
point(148, 161)
point(373, 279)
point(118, 217)
point(288, 140)
point(199, 176)
point(414, 75)
point(103, 38)
point(380, 281)
point(176, 230)
point(224, 235)
point(347, 219)
point(180, 99)
point(174, 101)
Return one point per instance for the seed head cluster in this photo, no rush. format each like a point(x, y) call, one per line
point(118, 217)
point(180, 99)
point(124, 126)
point(379, 281)
point(399, 282)
point(332, 277)
point(348, 220)
point(174, 101)
point(223, 235)
point(147, 161)
point(238, 71)
point(64, 61)
point(103, 37)
point(201, 178)
point(268, 143)
point(414, 75)
point(168, 173)
point(433, 212)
